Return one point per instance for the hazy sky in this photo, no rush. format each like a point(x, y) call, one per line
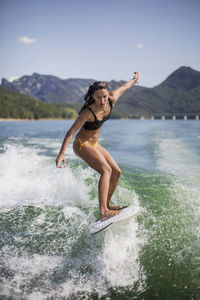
point(101, 40)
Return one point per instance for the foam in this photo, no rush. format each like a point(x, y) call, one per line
point(25, 269)
point(177, 157)
point(30, 178)
point(120, 254)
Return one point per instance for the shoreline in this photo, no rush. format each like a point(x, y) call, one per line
point(139, 118)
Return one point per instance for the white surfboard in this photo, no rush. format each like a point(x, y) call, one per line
point(125, 213)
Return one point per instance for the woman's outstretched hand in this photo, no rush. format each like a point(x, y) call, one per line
point(136, 77)
point(60, 159)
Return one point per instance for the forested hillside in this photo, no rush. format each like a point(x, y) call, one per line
point(16, 105)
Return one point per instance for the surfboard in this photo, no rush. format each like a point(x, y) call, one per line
point(125, 213)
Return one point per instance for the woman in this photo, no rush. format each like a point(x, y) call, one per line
point(97, 109)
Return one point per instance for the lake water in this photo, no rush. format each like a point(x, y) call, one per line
point(46, 250)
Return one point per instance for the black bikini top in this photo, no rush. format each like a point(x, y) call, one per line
point(97, 123)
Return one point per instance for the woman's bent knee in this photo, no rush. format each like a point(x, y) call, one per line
point(116, 172)
point(106, 170)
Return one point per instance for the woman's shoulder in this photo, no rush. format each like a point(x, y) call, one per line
point(87, 112)
point(86, 107)
point(111, 97)
point(90, 107)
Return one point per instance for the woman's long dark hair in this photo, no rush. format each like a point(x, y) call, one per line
point(92, 89)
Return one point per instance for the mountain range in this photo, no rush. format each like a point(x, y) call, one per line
point(179, 93)
point(48, 88)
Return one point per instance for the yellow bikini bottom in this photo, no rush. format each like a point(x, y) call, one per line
point(81, 143)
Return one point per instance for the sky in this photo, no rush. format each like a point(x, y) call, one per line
point(100, 40)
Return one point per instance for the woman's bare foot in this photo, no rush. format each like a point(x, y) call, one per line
point(115, 207)
point(109, 214)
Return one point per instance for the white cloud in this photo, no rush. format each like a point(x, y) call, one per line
point(139, 45)
point(26, 40)
point(12, 78)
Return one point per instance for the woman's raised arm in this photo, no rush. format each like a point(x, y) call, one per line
point(119, 91)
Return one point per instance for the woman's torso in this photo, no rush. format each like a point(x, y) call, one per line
point(101, 117)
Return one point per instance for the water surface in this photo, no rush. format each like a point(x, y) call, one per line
point(46, 249)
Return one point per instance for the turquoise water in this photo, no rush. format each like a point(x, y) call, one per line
point(46, 251)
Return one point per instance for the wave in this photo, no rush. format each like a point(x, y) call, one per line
point(47, 249)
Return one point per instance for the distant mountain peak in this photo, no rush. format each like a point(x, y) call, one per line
point(183, 71)
point(184, 68)
point(184, 78)
point(36, 75)
point(4, 80)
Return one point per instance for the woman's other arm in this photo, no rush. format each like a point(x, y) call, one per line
point(84, 115)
